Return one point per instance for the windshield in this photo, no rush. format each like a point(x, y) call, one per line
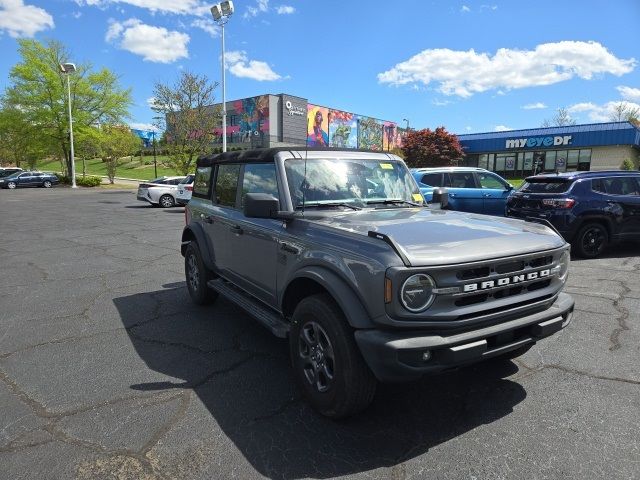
point(545, 186)
point(350, 183)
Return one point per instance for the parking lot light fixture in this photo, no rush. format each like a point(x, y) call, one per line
point(221, 13)
point(67, 69)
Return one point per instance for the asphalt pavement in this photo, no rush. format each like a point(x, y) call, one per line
point(108, 371)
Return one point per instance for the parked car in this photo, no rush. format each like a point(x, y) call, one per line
point(185, 188)
point(589, 209)
point(6, 171)
point(337, 251)
point(29, 179)
point(160, 191)
point(473, 190)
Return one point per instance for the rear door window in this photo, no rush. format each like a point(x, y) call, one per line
point(462, 180)
point(432, 179)
point(226, 186)
point(546, 186)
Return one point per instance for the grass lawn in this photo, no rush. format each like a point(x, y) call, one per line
point(129, 167)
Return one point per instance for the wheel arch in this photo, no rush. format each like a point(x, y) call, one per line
point(194, 233)
point(314, 280)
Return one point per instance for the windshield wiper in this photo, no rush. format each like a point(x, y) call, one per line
point(394, 201)
point(329, 204)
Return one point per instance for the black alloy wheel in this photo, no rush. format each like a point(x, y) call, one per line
point(591, 240)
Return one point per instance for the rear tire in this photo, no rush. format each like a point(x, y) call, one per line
point(591, 240)
point(46, 184)
point(326, 361)
point(197, 275)
point(166, 201)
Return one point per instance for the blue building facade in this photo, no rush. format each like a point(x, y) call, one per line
point(518, 153)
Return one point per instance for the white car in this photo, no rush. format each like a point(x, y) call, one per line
point(185, 189)
point(160, 191)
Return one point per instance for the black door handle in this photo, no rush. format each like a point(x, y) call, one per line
point(237, 230)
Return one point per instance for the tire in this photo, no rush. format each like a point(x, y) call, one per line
point(197, 275)
point(166, 201)
point(591, 240)
point(46, 184)
point(11, 185)
point(327, 363)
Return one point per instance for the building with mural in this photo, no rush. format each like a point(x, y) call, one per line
point(282, 120)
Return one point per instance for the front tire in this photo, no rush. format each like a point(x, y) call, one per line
point(197, 275)
point(591, 240)
point(326, 361)
point(11, 185)
point(166, 201)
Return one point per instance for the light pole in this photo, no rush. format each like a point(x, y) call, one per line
point(221, 13)
point(405, 120)
point(155, 163)
point(67, 69)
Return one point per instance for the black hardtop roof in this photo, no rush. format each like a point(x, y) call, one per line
point(268, 154)
point(568, 176)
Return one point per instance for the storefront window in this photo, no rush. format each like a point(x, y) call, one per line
point(550, 161)
point(520, 162)
point(572, 158)
point(500, 161)
point(483, 161)
point(491, 163)
point(528, 161)
point(584, 163)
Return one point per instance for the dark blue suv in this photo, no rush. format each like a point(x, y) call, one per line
point(589, 209)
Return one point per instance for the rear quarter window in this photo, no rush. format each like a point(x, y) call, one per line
point(202, 182)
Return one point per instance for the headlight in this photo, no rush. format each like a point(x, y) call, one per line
point(417, 292)
point(564, 266)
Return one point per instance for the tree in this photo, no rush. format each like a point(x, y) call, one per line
point(115, 142)
point(624, 111)
point(431, 148)
point(188, 118)
point(19, 142)
point(39, 90)
point(627, 165)
point(87, 145)
point(560, 119)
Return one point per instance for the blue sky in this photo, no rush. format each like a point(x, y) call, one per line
point(470, 66)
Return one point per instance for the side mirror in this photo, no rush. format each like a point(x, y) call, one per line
point(508, 187)
point(261, 205)
point(440, 198)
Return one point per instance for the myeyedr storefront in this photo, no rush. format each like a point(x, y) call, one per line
point(518, 153)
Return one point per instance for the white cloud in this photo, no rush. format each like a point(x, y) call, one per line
point(144, 126)
point(76, 15)
point(239, 65)
point(151, 102)
point(534, 106)
point(502, 128)
point(20, 20)
point(468, 128)
point(465, 73)
point(153, 44)
point(601, 113)
point(207, 25)
point(440, 103)
point(261, 6)
point(285, 10)
point(629, 93)
point(488, 7)
point(465, 9)
point(189, 7)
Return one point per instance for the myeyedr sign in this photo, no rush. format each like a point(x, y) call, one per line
point(557, 141)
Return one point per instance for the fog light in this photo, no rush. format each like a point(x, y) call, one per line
point(426, 355)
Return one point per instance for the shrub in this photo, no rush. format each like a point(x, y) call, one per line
point(627, 165)
point(64, 179)
point(89, 181)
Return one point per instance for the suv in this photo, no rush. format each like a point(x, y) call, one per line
point(473, 190)
point(6, 171)
point(589, 209)
point(337, 251)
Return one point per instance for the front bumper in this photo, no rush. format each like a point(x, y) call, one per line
point(398, 356)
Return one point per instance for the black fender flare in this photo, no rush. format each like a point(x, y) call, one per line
point(195, 232)
point(344, 295)
point(599, 218)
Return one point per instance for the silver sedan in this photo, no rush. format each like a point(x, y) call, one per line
point(160, 191)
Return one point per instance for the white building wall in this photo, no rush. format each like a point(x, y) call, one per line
point(611, 157)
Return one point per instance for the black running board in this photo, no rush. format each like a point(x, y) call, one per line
point(267, 317)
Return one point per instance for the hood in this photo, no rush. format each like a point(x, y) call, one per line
point(437, 237)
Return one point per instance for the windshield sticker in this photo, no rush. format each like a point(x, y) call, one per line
point(386, 166)
point(417, 197)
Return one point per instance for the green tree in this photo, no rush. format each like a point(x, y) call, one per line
point(188, 117)
point(39, 90)
point(87, 145)
point(627, 165)
point(431, 148)
point(115, 142)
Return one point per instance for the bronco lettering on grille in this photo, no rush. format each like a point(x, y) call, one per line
point(501, 282)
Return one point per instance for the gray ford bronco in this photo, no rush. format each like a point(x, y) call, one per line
point(337, 251)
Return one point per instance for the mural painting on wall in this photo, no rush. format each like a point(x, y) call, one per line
point(400, 133)
point(253, 116)
point(317, 126)
point(390, 132)
point(343, 129)
point(370, 133)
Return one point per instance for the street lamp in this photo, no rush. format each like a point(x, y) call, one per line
point(67, 69)
point(221, 13)
point(405, 120)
